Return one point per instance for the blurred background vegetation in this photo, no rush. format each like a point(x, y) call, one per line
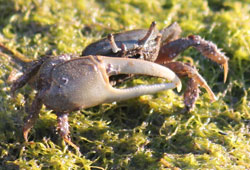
point(149, 132)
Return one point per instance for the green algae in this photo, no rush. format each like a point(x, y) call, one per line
point(150, 132)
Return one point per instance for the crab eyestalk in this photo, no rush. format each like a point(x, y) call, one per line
point(134, 66)
point(148, 35)
point(113, 45)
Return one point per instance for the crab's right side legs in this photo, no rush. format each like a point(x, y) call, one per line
point(195, 79)
point(172, 49)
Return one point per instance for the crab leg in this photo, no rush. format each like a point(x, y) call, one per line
point(33, 115)
point(207, 48)
point(63, 129)
point(27, 76)
point(211, 51)
point(20, 58)
point(182, 69)
point(191, 94)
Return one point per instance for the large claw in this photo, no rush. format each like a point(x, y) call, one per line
point(134, 66)
point(84, 82)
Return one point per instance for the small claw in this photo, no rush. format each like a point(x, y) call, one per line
point(197, 77)
point(210, 93)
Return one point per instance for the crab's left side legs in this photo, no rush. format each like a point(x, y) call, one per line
point(170, 50)
point(63, 129)
point(33, 115)
point(27, 76)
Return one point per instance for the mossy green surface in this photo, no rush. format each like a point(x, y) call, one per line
point(149, 132)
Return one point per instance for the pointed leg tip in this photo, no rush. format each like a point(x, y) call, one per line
point(69, 142)
point(25, 136)
point(213, 98)
point(225, 66)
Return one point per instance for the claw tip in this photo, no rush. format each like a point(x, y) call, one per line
point(179, 86)
point(177, 83)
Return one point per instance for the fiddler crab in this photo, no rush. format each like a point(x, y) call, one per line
point(162, 47)
point(67, 83)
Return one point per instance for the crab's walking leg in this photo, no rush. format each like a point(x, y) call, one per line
point(63, 129)
point(182, 70)
point(207, 48)
point(191, 94)
point(16, 55)
point(33, 115)
point(24, 79)
point(210, 50)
